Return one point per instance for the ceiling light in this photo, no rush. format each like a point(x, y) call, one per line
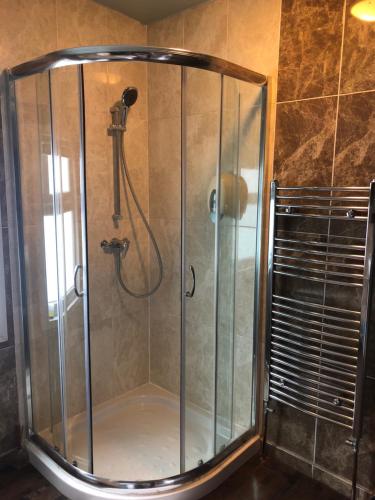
point(364, 10)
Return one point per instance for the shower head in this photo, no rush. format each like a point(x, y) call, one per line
point(129, 96)
point(121, 108)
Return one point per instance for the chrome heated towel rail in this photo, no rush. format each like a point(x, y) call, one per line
point(321, 246)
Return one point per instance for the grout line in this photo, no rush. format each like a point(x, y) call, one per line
point(327, 96)
point(308, 98)
point(320, 468)
point(338, 90)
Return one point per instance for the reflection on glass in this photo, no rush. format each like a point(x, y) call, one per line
point(61, 182)
point(237, 238)
point(65, 224)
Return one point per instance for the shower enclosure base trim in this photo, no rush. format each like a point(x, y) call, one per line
point(77, 489)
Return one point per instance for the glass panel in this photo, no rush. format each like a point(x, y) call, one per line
point(201, 107)
point(135, 342)
point(50, 177)
point(35, 145)
point(65, 169)
point(237, 237)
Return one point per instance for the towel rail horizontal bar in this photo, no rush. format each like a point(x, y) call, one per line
point(316, 314)
point(312, 414)
point(324, 235)
point(317, 374)
point(305, 403)
point(317, 390)
point(311, 278)
point(318, 252)
point(324, 360)
point(321, 243)
point(318, 382)
point(316, 341)
point(319, 323)
point(321, 198)
point(313, 398)
point(315, 365)
point(320, 334)
point(318, 306)
point(326, 217)
point(322, 188)
point(319, 271)
point(320, 262)
point(304, 345)
point(363, 208)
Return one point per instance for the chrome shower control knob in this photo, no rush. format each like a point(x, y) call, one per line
point(116, 246)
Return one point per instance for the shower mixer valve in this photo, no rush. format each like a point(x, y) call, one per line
point(116, 246)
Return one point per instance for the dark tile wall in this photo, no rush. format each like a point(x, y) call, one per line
point(9, 429)
point(325, 135)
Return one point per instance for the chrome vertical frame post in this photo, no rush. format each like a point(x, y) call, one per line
point(86, 303)
point(256, 395)
point(183, 272)
point(271, 239)
point(217, 262)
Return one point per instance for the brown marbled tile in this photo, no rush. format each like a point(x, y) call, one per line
point(310, 43)
point(358, 60)
point(291, 430)
point(304, 142)
point(366, 459)
point(355, 145)
point(331, 452)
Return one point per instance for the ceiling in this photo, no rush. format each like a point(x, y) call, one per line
point(147, 11)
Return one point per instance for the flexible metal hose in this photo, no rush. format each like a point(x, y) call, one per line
point(126, 177)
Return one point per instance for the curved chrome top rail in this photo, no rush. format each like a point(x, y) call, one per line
point(107, 53)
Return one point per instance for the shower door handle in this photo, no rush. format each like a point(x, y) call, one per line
point(76, 271)
point(190, 293)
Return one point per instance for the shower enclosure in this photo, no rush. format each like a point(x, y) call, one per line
point(154, 384)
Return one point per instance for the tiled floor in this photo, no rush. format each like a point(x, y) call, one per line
point(260, 480)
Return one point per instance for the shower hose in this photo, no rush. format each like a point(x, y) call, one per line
point(126, 177)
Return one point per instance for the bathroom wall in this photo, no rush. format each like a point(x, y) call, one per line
point(325, 136)
point(224, 28)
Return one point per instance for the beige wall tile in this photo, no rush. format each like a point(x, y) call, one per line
point(81, 22)
point(102, 359)
point(165, 168)
point(205, 28)
point(164, 91)
point(202, 157)
point(28, 30)
point(253, 34)
point(165, 307)
point(167, 33)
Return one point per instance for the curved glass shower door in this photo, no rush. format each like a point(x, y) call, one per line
point(53, 213)
point(148, 369)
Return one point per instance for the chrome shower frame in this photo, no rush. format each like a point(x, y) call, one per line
point(41, 453)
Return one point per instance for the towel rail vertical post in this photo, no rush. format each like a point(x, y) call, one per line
point(363, 336)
